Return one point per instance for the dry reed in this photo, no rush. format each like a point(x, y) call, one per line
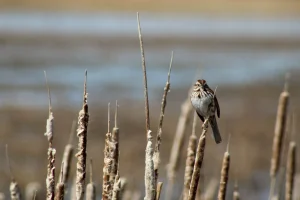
point(150, 185)
point(186, 109)
point(91, 188)
point(198, 162)
point(156, 155)
point(282, 111)
point(50, 180)
point(106, 185)
point(224, 174)
point(83, 120)
point(14, 189)
point(115, 148)
point(190, 160)
point(290, 171)
point(67, 157)
point(158, 190)
point(60, 187)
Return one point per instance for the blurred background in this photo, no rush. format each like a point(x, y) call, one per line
point(243, 47)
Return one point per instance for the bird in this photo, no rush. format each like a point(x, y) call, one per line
point(206, 105)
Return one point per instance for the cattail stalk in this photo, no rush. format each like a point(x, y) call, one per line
point(50, 180)
point(156, 155)
point(83, 120)
point(14, 188)
point(67, 157)
point(116, 188)
point(90, 188)
point(224, 175)
point(150, 185)
point(158, 190)
point(115, 148)
point(290, 171)
point(186, 109)
point(190, 160)
point(198, 162)
point(106, 185)
point(282, 111)
point(60, 187)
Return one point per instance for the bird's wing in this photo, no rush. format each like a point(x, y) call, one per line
point(201, 117)
point(216, 102)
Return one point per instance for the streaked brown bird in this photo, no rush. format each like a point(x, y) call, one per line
point(206, 105)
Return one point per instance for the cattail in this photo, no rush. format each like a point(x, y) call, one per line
point(150, 185)
point(198, 162)
point(290, 171)
point(236, 193)
point(67, 157)
point(115, 148)
point(50, 180)
point(224, 175)
point(83, 120)
point(123, 187)
point(91, 188)
point(60, 187)
point(278, 135)
point(156, 155)
point(186, 109)
point(190, 160)
point(106, 185)
point(158, 190)
point(116, 188)
point(14, 187)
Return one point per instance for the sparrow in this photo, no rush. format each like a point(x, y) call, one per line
point(206, 105)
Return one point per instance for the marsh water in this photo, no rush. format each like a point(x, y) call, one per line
point(116, 67)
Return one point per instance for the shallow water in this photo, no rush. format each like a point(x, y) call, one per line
point(116, 72)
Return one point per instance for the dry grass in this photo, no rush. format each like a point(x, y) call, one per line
point(290, 171)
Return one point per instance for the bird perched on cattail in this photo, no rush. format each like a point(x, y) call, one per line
point(206, 105)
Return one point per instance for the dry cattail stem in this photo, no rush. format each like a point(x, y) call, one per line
point(290, 171)
point(190, 160)
point(83, 120)
point(156, 155)
point(282, 111)
point(186, 109)
point(224, 176)
point(158, 190)
point(50, 180)
point(236, 193)
point(150, 185)
point(60, 187)
point(90, 188)
point(14, 187)
point(67, 156)
point(123, 187)
point(198, 162)
point(106, 185)
point(149, 171)
point(116, 188)
point(115, 148)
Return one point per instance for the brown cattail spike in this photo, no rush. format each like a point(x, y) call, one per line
point(224, 174)
point(156, 155)
point(290, 171)
point(83, 120)
point(198, 162)
point(190, 160)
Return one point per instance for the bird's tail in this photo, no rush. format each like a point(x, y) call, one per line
point(215, 129)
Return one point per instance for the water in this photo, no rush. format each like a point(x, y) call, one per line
point(116, 71)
